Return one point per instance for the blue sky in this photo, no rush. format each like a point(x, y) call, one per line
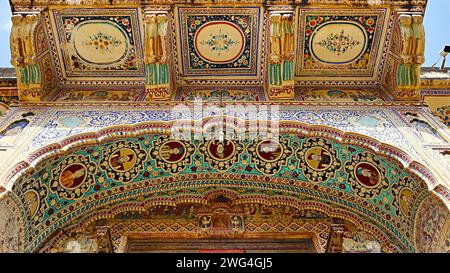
point(436, 24)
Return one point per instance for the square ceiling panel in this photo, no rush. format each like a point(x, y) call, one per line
point(337, 45)
point(99, 42)
point(220, 42)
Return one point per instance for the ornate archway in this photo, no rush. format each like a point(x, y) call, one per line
point(375, 188)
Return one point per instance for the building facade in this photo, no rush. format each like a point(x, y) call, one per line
point(151, 125)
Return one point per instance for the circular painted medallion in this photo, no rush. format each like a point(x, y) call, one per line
point(318, 158)
point(221, 150)
point(219, 42)
point(406, 200)
point(32, 200)
point(73, 176)
point(269, 151)
point(172, 151)
point(122, 160)
point(100, 42)
point(367, 174)
point(338, 42)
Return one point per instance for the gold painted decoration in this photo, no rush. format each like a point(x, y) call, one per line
point(24, 54)
point(171, 155)
point(219, 42)
point(366, 175)
point(99, 95)
point(282, 54)
point(221, 154)
point(411, 56)
point(100, 42)
point(338, 42)
point(318, 160)
point(32, 201)
point(157, 75)
point(73, 177)
point(340, 95)
point(123, 161)
point(405, 193)
point(270, 155)
point(33, 195)
point(406, 201)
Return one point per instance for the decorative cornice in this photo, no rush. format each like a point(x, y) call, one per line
point(169, 104)
point(401, 5)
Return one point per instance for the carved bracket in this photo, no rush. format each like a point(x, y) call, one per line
point(23, 56)
point(281, 78)
point(157, 75)
point(412, 56)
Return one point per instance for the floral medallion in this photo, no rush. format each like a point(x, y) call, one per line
point(94, 44)
point(224, 41)
point(341, 44)
point(219, 42)
point(338, 42)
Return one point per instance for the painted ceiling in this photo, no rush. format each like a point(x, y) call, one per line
point(338, 45)
point(224, 42)
point(216, 44)
point(93, 42)
point(156, 50)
